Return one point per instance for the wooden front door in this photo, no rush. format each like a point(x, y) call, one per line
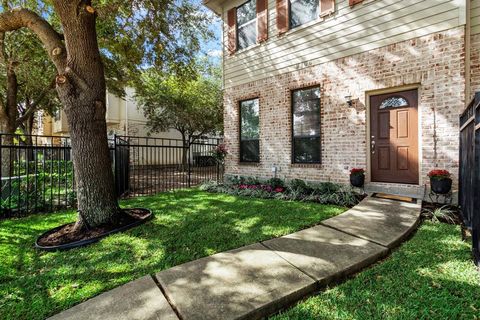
point(394, 137)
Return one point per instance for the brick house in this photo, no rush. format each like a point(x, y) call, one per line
point(314, 88)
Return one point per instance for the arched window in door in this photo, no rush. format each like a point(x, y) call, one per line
point(394, 102)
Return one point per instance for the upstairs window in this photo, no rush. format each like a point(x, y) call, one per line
point(306, 126)
point(247, 24)
point(250, 131)
point(303, 11)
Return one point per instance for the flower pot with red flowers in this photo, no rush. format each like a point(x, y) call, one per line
point(440, 181)
point(357, 177)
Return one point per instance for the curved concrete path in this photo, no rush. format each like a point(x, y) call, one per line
point(263, 278)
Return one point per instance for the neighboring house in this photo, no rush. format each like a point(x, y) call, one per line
point(316, 88)
point(124, 117)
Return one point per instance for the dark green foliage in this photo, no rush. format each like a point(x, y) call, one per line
point(52, 185)
point(300, 186)
point(276, 183)
point(326, 187)
point(298, 190)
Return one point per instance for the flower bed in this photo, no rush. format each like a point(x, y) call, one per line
point(294, 190)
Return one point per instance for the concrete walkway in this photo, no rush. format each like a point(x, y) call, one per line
point(260, 279)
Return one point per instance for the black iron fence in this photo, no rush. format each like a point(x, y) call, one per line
point(37, 171)
point(157, 165)
point(469, 198)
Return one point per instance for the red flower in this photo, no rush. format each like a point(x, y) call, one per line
point(439, 174)
point(356, 171)
point(279, 189)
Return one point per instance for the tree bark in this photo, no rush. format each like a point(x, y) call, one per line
point(8, 117)
point(7, 140)
point(82, 90)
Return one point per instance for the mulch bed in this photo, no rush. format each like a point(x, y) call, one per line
point(66, 234)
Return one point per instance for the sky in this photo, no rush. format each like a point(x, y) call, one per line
point(212, 48)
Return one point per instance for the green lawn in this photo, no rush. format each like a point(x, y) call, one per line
point(430, 277)
point(188, 224)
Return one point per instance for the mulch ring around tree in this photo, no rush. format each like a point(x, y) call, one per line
point(65, 237)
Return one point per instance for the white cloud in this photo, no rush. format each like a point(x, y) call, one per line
point(215, 53)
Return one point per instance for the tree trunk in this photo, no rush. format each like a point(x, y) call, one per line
point(7, 156)
point(27, 129)
point(82, 91)
point(8, 118)
point(185, 151)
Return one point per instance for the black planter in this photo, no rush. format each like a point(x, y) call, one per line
point(441, 186)
point(357, 180)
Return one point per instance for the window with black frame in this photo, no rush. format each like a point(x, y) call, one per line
point(303, 11)
point(247, 24)
point(306, 126)
point(250, 131)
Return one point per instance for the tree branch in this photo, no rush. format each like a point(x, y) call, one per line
point(23, 18)
point(34, 106)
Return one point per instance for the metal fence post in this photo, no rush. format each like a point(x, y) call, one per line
point(189, 165)
point(114, 161)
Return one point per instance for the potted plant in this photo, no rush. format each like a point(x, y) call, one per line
point(440, 181)
point(357, 177)
point(220, 153)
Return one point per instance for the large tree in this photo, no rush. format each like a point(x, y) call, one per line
point(164, 33)
point(190, 104)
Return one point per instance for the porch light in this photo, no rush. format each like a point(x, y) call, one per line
point(349, 100)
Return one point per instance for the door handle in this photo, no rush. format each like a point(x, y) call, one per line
point(373, 145)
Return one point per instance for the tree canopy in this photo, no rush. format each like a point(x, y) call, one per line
point(190, 104)
point(95, 44)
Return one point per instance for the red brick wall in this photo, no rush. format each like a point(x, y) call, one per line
point(435, 62)
point(475, 63)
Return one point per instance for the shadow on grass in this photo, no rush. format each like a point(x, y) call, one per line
point(430, 277)
point(188, 224)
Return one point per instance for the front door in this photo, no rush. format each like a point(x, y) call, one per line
point(394, 137)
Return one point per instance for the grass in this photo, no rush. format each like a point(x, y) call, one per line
point(430, 277)
point(188, 224)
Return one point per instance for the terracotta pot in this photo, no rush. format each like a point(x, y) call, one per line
point(357, 180)
point(441, 186)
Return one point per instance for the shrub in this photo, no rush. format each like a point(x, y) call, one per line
point(326, 188)
point(252, 181)
point(444, 213)
point(276, 183)
point(298, 190)
point(299, 186)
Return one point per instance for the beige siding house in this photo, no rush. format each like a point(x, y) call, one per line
point(123, 118)
point(316, 88)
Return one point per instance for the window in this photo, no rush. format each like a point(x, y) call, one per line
point(394, 102)
point(306, 125)
point(249, 131)
point(247, 24)
point(303, 11)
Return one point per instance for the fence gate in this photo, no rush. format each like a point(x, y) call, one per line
point(469, 183)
